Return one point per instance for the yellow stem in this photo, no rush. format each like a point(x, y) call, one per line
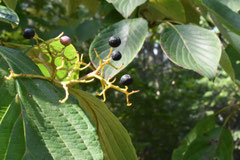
point(110, 52)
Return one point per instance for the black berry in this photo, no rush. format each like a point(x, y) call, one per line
point(114, 41)
point(116, 55)
point(65, 40)
point(126, 80)
point(28, 33)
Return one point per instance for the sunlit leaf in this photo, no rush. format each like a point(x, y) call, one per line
point(231, 37)
point(192, 47)
point(69, 52)
point(203, 126)
point(233, 4)
point(216, 144)
point(8, 15)
point(51, 130)
point(226, 15)
point(114, 138)
point(132, 33)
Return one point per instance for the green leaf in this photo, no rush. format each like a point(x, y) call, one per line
point(226, 64)
point(7, 89)
point(231, 37)
point(202, 127)
point(132, 33)
point(192, 15)
point(2, 111)
point(215, 144)
point(72, 5)
point(192, 47)
point(51, 130)
point(234, 57)
point(91, 5)
point(126, 7)
point(233, 4)
point(12, 144)
point(69, 52)
point(150, 13)
point(8, 15)
point(16, 45)
point(206, 141)
point(227, 16)
point(87, 30)
point(170, 8)
point(10, 3)
point(114, 138)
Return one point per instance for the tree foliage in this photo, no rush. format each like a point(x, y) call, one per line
point(183, 56)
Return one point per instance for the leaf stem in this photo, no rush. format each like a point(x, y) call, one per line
point(79, 65)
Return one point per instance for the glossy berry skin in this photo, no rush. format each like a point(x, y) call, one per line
point(126, 80)
point(65, 40)
point(116, 55)
point(28, 33)
point(114, 41)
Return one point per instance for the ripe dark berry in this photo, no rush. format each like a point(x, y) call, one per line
point(126, 80)
point(65, 40)
point(116, 55)
point(114, 41)
point(28, 33)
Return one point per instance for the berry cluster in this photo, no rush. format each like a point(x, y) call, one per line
point(78, 65)
point(114, 42)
